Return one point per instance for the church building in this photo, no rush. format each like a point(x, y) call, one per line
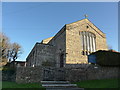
point(71, 45)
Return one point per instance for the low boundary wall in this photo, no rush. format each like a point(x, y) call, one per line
point(88, 72)
point(28, 74)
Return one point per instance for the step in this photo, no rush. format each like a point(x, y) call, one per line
point(55, 82)
point(59, 85)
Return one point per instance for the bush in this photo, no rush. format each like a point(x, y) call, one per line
point(107, 58)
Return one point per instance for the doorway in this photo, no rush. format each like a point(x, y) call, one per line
point(61, 60)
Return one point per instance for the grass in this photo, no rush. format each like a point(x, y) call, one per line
point(105, 83)
point(6, 84)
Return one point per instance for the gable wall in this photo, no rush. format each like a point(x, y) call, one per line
point(101, 43)
point(59, 42)
point(73, 46)
point(73, 41)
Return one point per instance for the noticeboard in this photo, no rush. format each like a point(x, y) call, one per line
point(91, 59)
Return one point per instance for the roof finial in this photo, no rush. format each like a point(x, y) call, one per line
point(86, 15)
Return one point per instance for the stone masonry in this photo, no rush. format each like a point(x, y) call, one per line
point(83, 72)
point(66, 46)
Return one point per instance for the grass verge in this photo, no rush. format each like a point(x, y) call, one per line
point(104, 83)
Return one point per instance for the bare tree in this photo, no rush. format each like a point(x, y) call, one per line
point(14, 51)
point(4, 47)
point(9, 52)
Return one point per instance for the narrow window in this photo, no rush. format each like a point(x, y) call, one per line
point(88, 42)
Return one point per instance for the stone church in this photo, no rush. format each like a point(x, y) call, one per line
point(69, 46)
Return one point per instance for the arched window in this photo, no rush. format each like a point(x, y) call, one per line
point(88, 42)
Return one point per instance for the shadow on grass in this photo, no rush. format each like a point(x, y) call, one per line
point(15, 86)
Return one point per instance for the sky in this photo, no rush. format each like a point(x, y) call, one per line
point(29, 22)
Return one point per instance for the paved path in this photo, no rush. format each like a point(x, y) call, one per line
point(59, 85)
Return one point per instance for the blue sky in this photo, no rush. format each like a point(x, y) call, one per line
point(27, 23)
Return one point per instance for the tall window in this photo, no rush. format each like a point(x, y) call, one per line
point(88, 42)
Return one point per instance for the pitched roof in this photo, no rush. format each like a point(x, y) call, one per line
point(45, 41)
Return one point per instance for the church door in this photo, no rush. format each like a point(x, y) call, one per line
point(61, 60)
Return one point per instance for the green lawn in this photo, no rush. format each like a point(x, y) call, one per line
point(105, 83)
point(6, 84)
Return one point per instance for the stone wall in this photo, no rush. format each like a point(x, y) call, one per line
point(28, 74)
point(8, 74)
point(41, 55)
point(74, 42)
point(45, 55)
point(85, 72)
point(59, 42)
point(37, 74)
point(56, 74)
point(92, 72)
point(66, 46)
